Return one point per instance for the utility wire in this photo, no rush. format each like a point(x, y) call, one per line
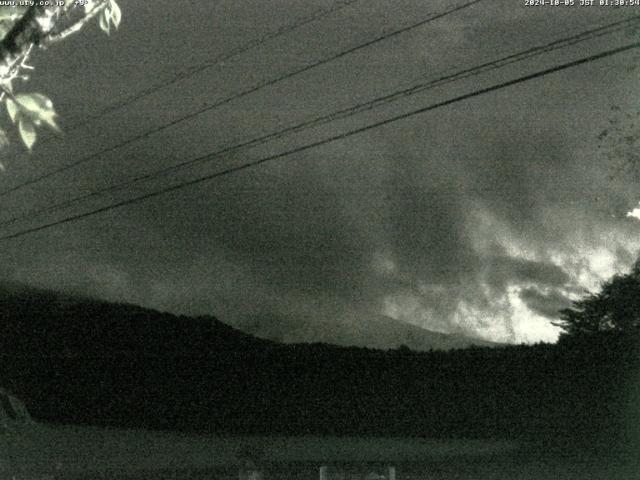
point(243, 93)
point(346, 112)
point(331, 139)
point(248, 46)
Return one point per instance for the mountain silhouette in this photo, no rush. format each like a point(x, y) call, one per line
point(41, 321)
point(79, 360)
point(36, 321)
point(354, 329)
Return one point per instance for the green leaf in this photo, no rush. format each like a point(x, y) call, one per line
point(12, 109)
point(39, 108)
point(6, 85)
point(27, 132)
point(11, 12)
point(35, 102)
point(104, 21)
point(4, 28)
point(51, 121)
point(6, 13)
point(116, 13)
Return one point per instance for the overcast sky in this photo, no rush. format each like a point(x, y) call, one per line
point(484, 217)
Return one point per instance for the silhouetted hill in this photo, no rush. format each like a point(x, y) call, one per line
point(38, 321)
point(354, 329)
point(78, 360)
point(41, 322)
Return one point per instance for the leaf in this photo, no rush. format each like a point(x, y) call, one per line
point(6, 85)
point(27, 132)
point(116, 13)
point(11, 12)
point(6, 13)
point(104, 21)
point(39, 108)
point(4, 28)
point(51, 121)
point(35, 102)
point(12, 109)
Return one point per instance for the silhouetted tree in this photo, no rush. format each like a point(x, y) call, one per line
point(615, 308)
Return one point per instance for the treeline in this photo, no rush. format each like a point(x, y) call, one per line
point(106, 364)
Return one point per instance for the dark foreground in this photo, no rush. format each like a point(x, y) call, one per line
point(545, 468)
point(538, 461)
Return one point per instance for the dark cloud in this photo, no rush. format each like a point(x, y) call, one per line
point(434, 220)
point(504, 270)
point(546, 304)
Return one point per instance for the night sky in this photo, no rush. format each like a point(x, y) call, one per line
point(483, 217)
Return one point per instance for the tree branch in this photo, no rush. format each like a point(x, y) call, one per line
point(74, 22)
point(26, 32)
point(41, 25)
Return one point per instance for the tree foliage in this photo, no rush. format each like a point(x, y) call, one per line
point(615, 308)
point(25, 28)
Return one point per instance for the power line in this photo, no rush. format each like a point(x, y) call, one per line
point(327, 140)
point(243, 93)
point(283, 30)
point(343, 113)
